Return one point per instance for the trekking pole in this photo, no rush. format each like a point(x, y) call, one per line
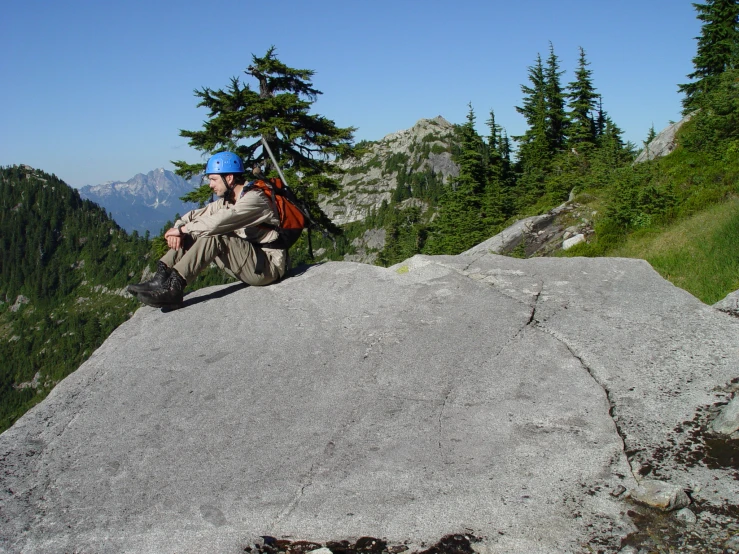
point(274, 160)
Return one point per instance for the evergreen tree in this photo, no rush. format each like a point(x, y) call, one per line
point(462, 221)
point(470, 159)
point(279, 111)
point(715, 128)
point(650, 136)
point(534, 110)
point(718, 49)
point(494, 139)
point(555, 103)
point(533, 153)
point(497, 170)
point(582, 104)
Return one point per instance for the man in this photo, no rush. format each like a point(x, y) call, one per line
point(228, 232)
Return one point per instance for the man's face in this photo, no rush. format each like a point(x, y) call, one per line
point(217, 184)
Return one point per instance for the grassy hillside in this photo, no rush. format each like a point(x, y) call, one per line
point(680, 213)
point(699, 253)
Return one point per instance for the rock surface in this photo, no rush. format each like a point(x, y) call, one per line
point(729, 304)
point(477, 393)
point(664, 143)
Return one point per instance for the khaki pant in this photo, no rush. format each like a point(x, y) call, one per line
point(236, 256)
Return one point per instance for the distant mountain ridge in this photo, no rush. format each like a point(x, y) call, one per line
point(146, 201)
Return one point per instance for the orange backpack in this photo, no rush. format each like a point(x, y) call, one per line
point(293, 218)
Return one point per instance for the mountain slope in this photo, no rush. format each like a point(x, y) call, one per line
point(63, 266)
point(423, 151)
point(144, 202)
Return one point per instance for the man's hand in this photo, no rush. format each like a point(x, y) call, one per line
point(174, 237)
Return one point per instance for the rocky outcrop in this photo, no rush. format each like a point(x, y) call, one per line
point(559, 229)
point(664, 143)
point(373, 177)
point(516, 401)
point(20, 301)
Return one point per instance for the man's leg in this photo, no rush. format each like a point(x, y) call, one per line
point(246, 262)
point(243, 260)
point(164, 269)
point(185, 264)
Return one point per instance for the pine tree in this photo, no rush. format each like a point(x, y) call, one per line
point(494, 139)
point(470, 159)
point(718, 49)
point(279, 111)
point(582, 104)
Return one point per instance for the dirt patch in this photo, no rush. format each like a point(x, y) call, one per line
point(450, 544)
point(665, 532)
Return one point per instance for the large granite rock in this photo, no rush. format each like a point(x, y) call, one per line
point(515, 400)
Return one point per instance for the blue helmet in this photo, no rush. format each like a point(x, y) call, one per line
point(224, 162)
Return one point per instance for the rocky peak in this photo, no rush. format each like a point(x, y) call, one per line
point(371, 178)
point(145, 201)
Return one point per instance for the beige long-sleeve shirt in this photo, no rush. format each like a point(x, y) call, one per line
point(252, 218)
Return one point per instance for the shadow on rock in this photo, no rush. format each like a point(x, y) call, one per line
point(220, 293)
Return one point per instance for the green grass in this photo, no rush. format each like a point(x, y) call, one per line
point(699, 254)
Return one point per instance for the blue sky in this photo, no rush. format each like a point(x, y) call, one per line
point(98, 91)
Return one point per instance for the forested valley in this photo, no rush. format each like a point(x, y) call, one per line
point(63, 266)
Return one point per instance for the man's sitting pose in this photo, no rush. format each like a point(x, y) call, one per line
point(227, 232)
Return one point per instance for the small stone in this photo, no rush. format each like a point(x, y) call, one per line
point(322, 550)
point(569, 243)
point(618, 491)
point(628, 550)
point(660, 495)
point(732, 545)
point(686, 516)
point(727, 421)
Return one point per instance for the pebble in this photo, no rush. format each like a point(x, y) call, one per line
point(686, 516)
point(732, 544)
point(727, 421)
point(660, 495)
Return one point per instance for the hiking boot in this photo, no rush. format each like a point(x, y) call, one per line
point(160, 277)
point(167, 295)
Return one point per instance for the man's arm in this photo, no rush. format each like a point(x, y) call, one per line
point(252, 209)
point(174, 236)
